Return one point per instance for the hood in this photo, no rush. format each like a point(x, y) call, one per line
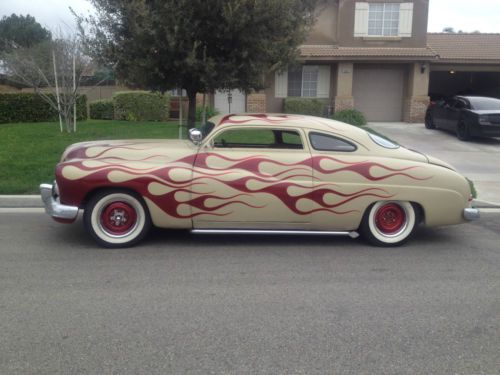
point(130, 150)
point(436, 161)
point(485, 111)
point(410, 154)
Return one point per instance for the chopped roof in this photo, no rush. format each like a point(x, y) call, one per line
point(280, 119)
point(465, 48)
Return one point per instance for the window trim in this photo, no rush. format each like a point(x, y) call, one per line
point(332, 136)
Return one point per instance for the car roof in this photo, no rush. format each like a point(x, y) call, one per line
point(285, 120)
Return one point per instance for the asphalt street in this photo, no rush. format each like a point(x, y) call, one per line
point(220, 304)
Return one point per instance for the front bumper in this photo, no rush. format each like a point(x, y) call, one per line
point(471, 214)
point(53, 207)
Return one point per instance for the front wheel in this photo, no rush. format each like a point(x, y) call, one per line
point(389, 223)
point(463, 132)
point(116, 218)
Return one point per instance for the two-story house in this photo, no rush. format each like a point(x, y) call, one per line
point(376, 56)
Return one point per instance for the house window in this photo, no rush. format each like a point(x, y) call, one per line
point(383, 19)
point(303, 81)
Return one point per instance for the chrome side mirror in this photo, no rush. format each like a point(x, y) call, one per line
point(195, 136)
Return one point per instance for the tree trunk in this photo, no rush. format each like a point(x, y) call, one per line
point(191, 123)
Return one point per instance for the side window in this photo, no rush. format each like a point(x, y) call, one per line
point(324, 142)
point(259, 138)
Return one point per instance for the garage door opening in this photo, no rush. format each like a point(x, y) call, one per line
point(449, 83)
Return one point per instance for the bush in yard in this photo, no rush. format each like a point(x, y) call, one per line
point(141, 106)
point(102, 110)
point(210, 113)
point(30, 107)
point(304, 106)
point(350, 116)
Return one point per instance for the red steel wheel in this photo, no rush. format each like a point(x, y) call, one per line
point(118, 218)
point(390, 218)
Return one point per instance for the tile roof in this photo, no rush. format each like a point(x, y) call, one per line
point(441, 48)
point(465, 47)
point(354, 52)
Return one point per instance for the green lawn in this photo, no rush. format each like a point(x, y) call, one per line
point(30, 151)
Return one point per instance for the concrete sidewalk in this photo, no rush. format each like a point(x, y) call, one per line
point(478, 160)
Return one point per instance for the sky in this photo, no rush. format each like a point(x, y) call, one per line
point(465, 15)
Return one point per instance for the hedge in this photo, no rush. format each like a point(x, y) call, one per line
point(102, 110)
point(350, 116)
point(304, 106)
point(210, 113)
point(141, 106)
point(30, 107)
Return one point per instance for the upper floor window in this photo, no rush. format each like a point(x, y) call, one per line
point(383, 19)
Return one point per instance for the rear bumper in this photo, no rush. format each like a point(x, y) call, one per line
point(471, 214)
point(53, 207)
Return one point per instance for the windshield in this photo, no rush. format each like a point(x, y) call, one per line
point(206, 128)
point(484, 104)
point(381, 141)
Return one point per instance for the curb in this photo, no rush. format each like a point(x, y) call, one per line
point(478, 203)
point(20, 201)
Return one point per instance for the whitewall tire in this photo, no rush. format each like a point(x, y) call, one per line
point(389, 223)
point(116, 218)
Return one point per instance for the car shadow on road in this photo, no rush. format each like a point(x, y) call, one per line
point(164, 240)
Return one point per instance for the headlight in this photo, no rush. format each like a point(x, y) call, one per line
point(484, 120)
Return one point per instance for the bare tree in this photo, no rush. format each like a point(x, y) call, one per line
point(54, 70)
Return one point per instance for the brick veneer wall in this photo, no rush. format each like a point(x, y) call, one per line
point(256, 103)
point(414, 108)
point(343, 102)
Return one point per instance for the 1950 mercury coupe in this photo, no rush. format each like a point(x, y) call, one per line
point(257, 173)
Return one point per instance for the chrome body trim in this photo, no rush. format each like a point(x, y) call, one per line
point(471, 214)
point(352, 234)
point(52, 205)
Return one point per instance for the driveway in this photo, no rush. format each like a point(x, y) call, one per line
point(479, 160)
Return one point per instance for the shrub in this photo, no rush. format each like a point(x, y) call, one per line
point(350, 116)
point(210, 113)
point(304, 106)
point(30, 107)
point(102, 110)
point(141, 106)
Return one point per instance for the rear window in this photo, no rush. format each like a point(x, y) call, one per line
point(324, 142)
point(485, 104)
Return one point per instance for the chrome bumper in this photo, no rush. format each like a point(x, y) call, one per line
point(53, 207)
point(471, 214)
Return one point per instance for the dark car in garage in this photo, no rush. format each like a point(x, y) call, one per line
point(467, 116)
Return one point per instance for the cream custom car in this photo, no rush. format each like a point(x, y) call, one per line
point(257, 173)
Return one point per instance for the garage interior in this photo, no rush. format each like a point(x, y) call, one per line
point(458, 82)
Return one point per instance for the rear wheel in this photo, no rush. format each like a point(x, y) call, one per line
point(429, 121)
point(463, 132)
point(116, 218)
point(389, 223)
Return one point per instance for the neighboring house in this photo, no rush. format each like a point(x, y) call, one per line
point(376, 56)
